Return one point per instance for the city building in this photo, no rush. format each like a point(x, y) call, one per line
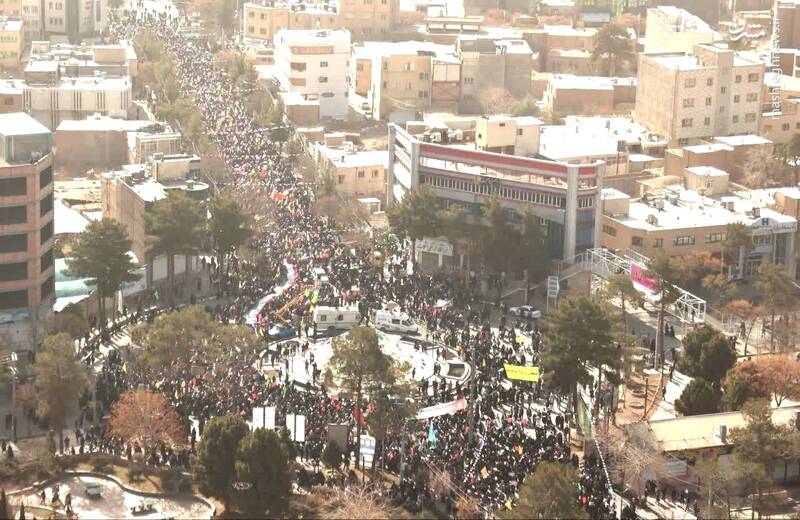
point(671, 29)
point(788, 15)
point(103, 143)
point(693, 216)
point(72, 20)
point(127, 193)
point(508, 135)
point(562, 46)
point(364, 19)
point(566, 197)
point(315, 65)
point(488, 65)
point(51, 97)
point(353, 173)
point(688, 97)
point(398, 80)
point(12, 43)
point(589, 95)
point(11, 9)
point(725, 153)
point(87, 60)
point(26, 228)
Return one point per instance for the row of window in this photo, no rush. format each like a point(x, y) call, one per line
point(685, 240)
point(688, 122)
point(751, 78)
point(521, 195)
point(17, 271)
point(751, 98)
point(19, 299)
point(785, 127)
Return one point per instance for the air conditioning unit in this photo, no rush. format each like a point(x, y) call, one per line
point(756, 212)
point(652, 220)
point(659, 204)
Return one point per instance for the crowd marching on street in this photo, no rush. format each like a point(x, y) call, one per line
point(515, 426)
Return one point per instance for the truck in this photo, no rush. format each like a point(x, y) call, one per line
point(335, 318)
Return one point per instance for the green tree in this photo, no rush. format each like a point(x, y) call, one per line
point(228, 228)
point(332, 456)
point(576, 336)
point(793, 154)
point(531, 255)
point(71, 320)
point(621, 287)
point(777, 291)
point(6, 363)
point(214, 467)
point(761, 442)
point(699, 397)
point(497, 238)
point(5, 509)
point(737, 240)
point(550, 492)
point(393, 406)
point(707, 353)
point(362, 367)
point(613, 45)
point(720, 287)
point(739, 388)
point(263, 464)
point(175, 336)
point(101, 252)
point(663, 270)
point(416, 216)
point(174, 225)
point(280, 130)
point(60, 381)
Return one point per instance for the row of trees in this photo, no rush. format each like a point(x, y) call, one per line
point(175, 225)
point(504, 247)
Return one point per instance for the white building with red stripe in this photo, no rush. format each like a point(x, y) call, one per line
point(565, 197)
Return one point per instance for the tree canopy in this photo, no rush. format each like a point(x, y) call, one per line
point(550, 492)
point(214, 467)
point(613, 45)
point(707, 353)
point(263, 463)
point(776, 377)
point(145, 416)
point(416, 216)
point(699, 397)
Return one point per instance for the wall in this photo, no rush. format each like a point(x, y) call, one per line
point(76, 152)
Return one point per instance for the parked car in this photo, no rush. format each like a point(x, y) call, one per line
point(525, 311)
point(282, 331)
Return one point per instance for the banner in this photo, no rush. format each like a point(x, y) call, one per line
point(442, 409)
point(641, 281)
point(367, 449)
point(521, 373)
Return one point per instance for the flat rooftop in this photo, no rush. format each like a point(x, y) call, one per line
point(313, 37)
point(20, 123)
point(681, 20)
point(742, 140)
point(101, 124)
point(359, 159)
point(369, 50)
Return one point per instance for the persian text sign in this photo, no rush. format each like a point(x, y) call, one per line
point(642, 280)
point(521, 372)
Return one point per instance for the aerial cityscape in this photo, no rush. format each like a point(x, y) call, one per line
point(413, 259)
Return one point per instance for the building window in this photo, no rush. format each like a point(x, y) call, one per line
point(469, 81)
point(735, 119)
point(637, 241)
point(323, 79)
point(46, 205)
point(13, 272)
point(687, 122)
point(686, 240)
point(707, 121)
point(752, 96)
point(408, 66)
point(736, 98)
point(713, 238)
point(46, 261)
point(251, 29)
point(738, 78)
point(750, 118)
point(785, 127)
point(323, 64)
point(298, 66)
point(341, 179)
point(710, 82)
point(423, 76)
point(45, 177)
point(688, 102)
point(610, 231)
point(46, 232)
point(519, 131)
point(13, 215)
point(14, 243)
point(708, 101)
point(658, 243)
point(14, 300)
point(722, 90)
point(689, 82)
point(752, 78)
point(13, 186)
point(48, 287)
point(423, 94)
point(360, 174)
point(375, 174)
point(7, 101)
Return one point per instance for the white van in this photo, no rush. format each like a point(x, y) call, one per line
point(320, 276)
point(335, 318)
point(395, 322)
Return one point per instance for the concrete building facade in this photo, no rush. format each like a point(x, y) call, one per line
point(315, 65)
point(27, 284)
point(688, 97)
point(671, 29)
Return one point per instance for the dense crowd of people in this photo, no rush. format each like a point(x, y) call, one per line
point(487, 450)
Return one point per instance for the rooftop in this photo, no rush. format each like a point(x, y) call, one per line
point(100, 124)
point(742, 140)
point(681, 20)
point(592, 136)
point(11, 25)
point(358, 159)
point(330, 7)
point(568, 30)
point(369, 50)
point(312, 37)
point(20, 123)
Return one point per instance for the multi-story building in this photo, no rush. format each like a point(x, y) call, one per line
point(487, 64)
point(12, 42)
point(353, 173)
point(315, 64)
point(73, 20)
point(670, 29)
point(33, 25)
point(508, 135)
point(566, 197)
point(725, 153)
point(87, 60)
point(364, 19)
point(562, 48)
point(401, 79)
point(688, 97)
point(589, 95)
point(51, 98)
point(26, 227)
point(128, 193)
point(693, 217)
point(788, 14)
point(11, 9)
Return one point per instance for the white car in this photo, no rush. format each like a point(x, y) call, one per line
point(525, 311)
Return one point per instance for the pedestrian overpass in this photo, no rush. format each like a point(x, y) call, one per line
point(688, 308)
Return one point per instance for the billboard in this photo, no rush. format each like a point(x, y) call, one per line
point(644, 281)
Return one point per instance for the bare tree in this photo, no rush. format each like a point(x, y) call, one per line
point(496, 100)
point(762, 169)
point(354, 502)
